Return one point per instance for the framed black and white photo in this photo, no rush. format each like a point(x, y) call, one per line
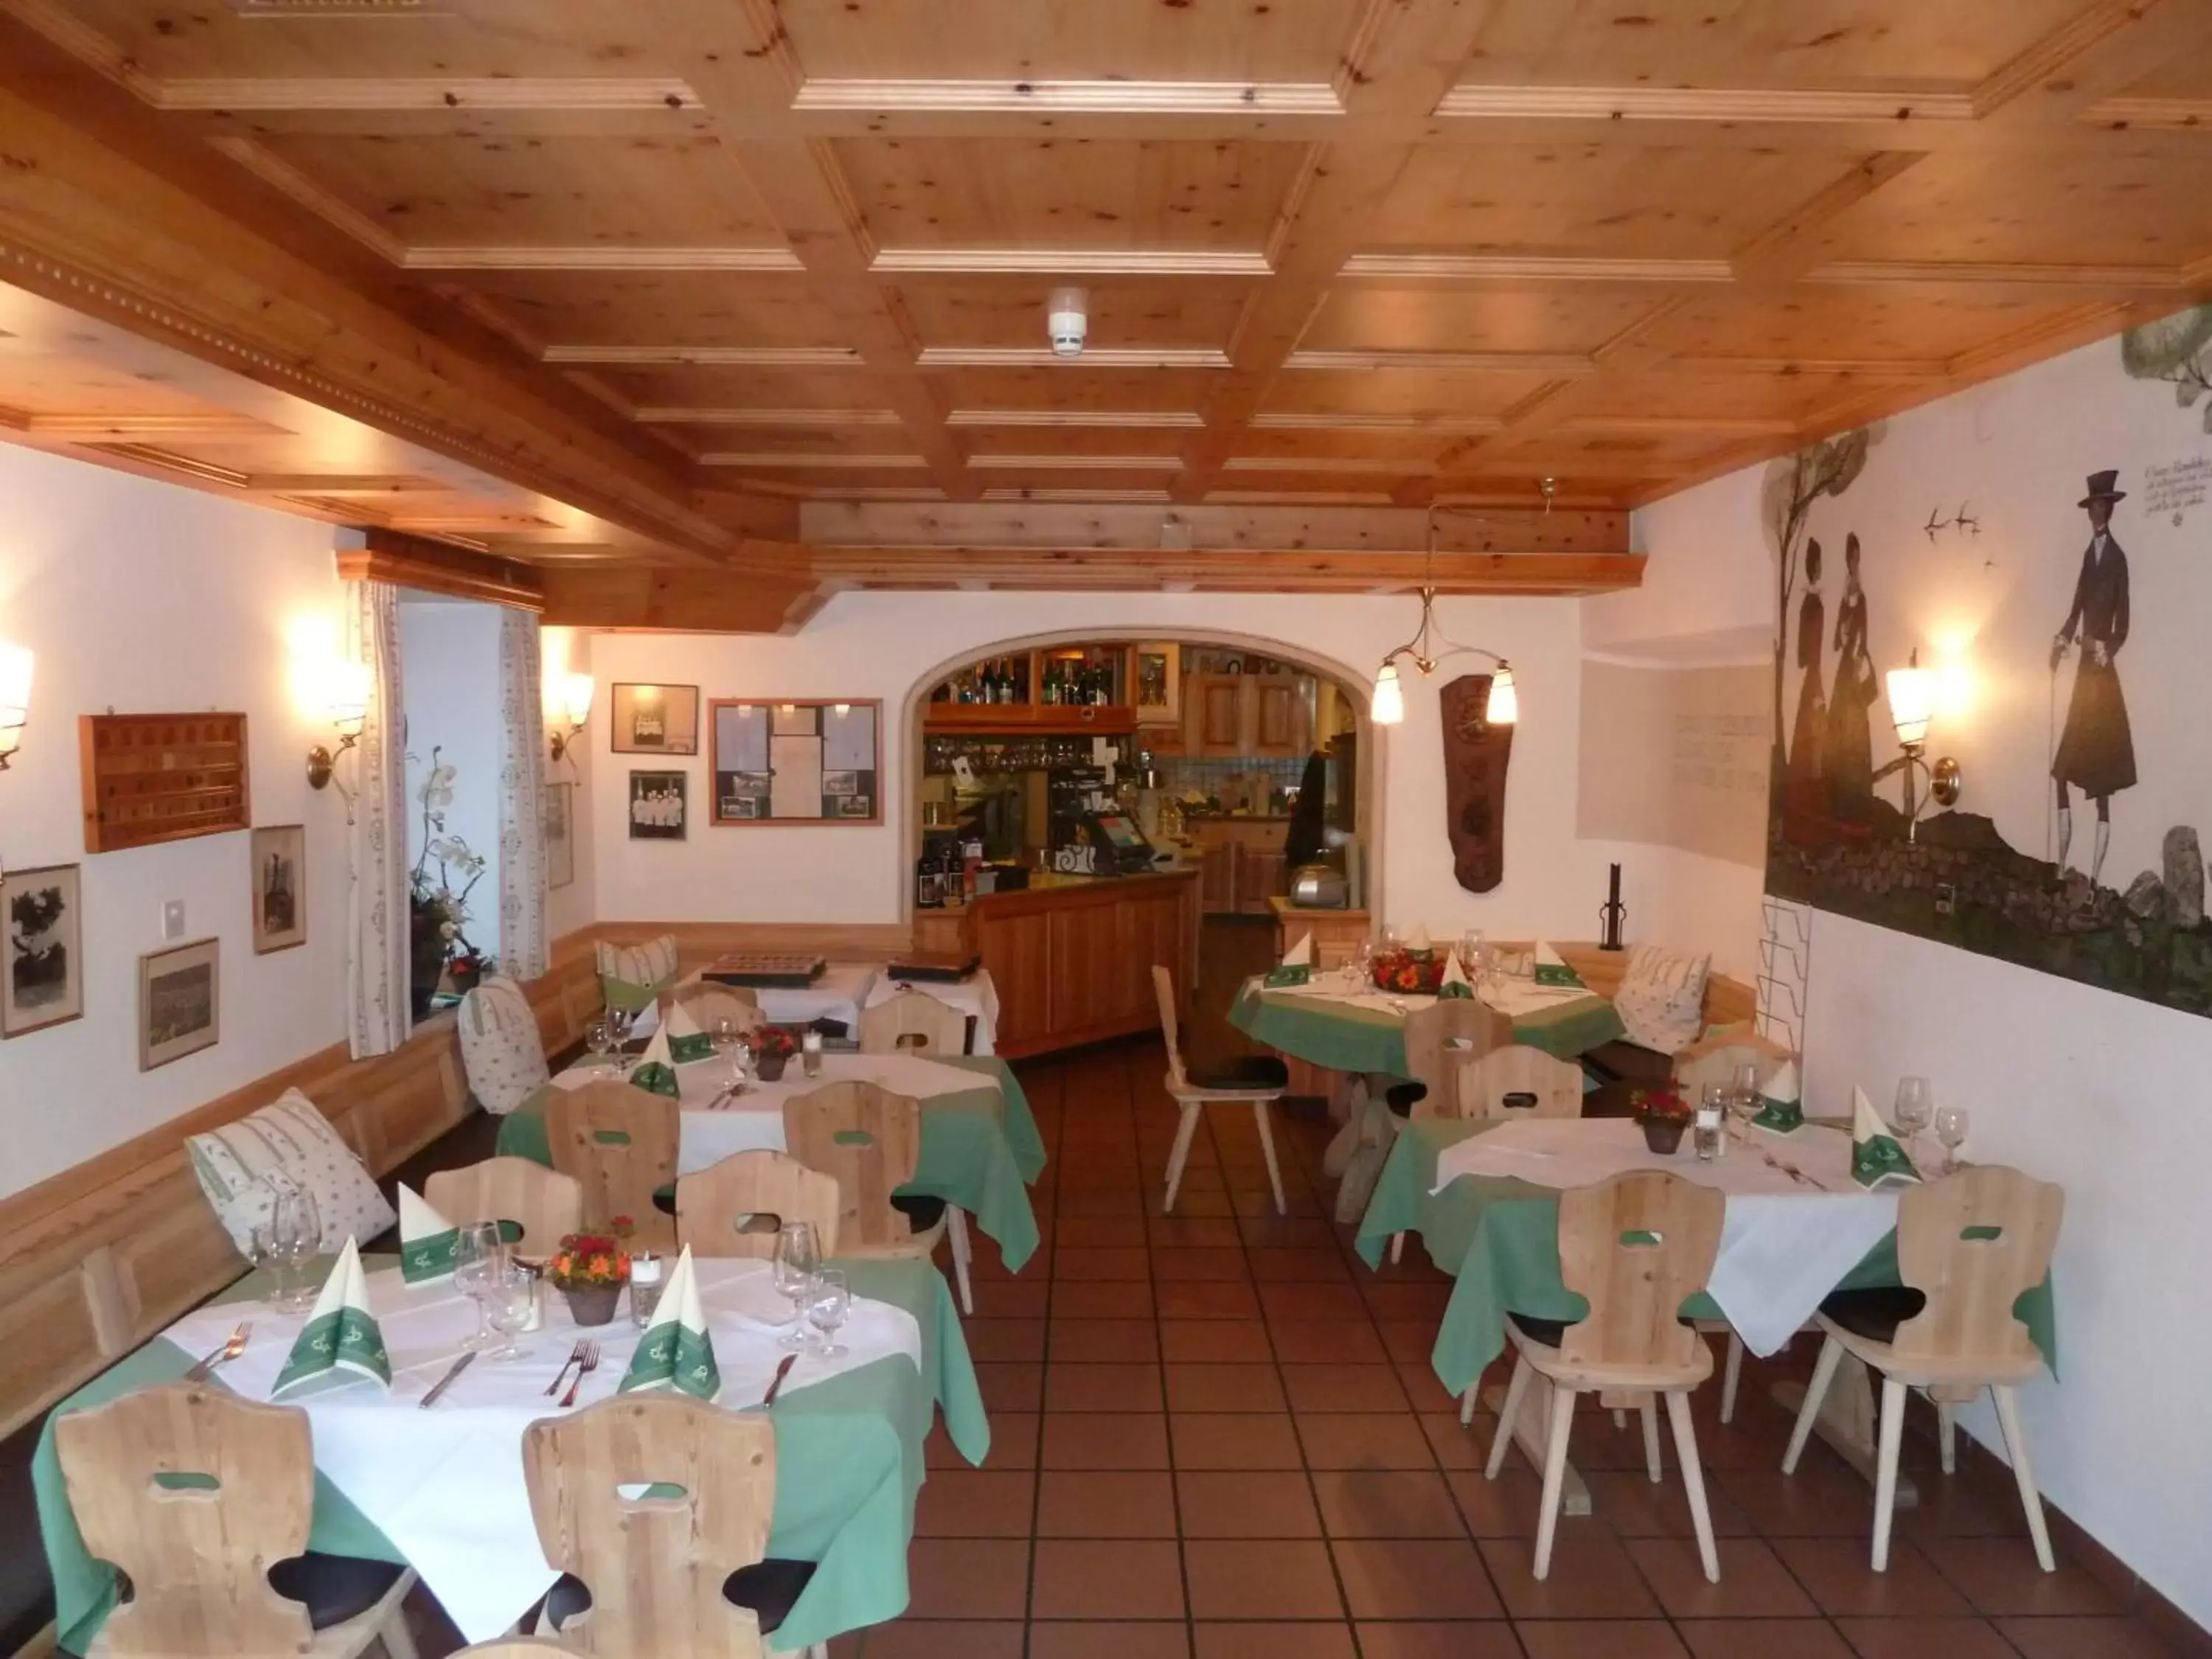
point(43, 982)
point(180, 1002)
point(280, 887)
point(655, 719)
point(559, 826)
point(657, 805)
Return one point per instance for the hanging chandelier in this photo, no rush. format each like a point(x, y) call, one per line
point(1430, 646)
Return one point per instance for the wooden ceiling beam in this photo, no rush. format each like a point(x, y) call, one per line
point(427, 567)
point(683, 602)
point(1275, 570)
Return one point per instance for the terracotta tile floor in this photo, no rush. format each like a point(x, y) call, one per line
point(1216, 1436)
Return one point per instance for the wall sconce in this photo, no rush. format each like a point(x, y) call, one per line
point(568, 698)
point(14, 699)
point(348, 713)
point(1430, 645)
point(1911, 707)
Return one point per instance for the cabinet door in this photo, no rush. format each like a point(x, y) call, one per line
point(1259, 876)
point(1015, 951)
point(1217, 877)
point(1083, 968)
point(1279, 717)
point(1219, 703)
point(1151, 933)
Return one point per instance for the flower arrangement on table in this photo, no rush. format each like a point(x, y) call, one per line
point(590, 1269)
point(1662, 1114)
point(772, 1048)
point(1405, 970)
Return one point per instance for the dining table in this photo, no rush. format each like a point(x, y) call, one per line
point(981, 1148)
point(843, 989)
point(442, 1489)
point(1482, 1196)
point(1339, 1022)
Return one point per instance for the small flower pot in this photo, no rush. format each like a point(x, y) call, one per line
point(770, 1068)
point(1663, 1135)
point(593, 1304)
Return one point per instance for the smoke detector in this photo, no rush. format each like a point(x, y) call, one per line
point(1068, 320)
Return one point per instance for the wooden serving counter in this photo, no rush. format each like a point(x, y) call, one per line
point(1073, 960)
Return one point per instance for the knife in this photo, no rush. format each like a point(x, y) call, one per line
point(782, 1369)
point(446, 1381)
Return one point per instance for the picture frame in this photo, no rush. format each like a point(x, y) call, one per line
point(180, 1002)
point(647, 719)
point(659, 805)
point(795, 762)
point(559, 824)
point(42, 941)
point(280, 887)
point(1156, 681)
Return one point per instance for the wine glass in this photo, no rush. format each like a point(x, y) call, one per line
point(798, 1270)
point(505, 1305)
point(479, 1260)
point(1363, 965)
point(1390, 939)
point(831, 1305)
point(1915, 1108)
point(599, 1038)
point(1951, 1125)
point(1743, 1097)
point(295, 1239)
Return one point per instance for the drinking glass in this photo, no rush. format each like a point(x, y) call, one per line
point(1915, 1108)
point(1473, 952)
point(1707, 1127)
point(798, 1270)
point(479, 1260)
point(1743, 1097)
point(810, 1052)
point(599, 1038)
point(295, 1239)
point(1951, 1125)
point(831, 1305)
point(1363, 964)
point(1391, 940)
point(506, 1306)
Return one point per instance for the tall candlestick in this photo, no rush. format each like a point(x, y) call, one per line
point(1612, 912)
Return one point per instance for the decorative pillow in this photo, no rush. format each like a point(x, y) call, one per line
point(501, 1049)
point(285, 1146)
point(1661, 998)
point(631, 976)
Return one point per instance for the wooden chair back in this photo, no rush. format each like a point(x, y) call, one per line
point(869, 1139)
point(544, 1203)
point(191, 1492)
point(1516, 1069)
point(1440, 1039)
point(738, 1207)
point(706, 1002)
point(1163, 989)
point(1971, 1243)
point(654, 1566)
point(619, 1144)
point(519, 1647)
point(1713, 1059)
point(914, 1021)
point(1634, 1247)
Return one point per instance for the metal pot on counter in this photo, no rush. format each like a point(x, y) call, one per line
point(1317, 887)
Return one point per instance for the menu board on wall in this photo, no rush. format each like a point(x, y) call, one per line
point(802, 761)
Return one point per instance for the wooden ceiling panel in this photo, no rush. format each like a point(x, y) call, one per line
point(1009, 312)
point(683, 386)
point(1069, 194)
point(1602, 199)
point(1329, 392)
point(1361, 317)
point(1276, 41)
point(496, 192)
point(1155, 443)
point(1757, 43)
point(1858, 324)
point(1676, 395)
point(674, 308)
point(1073, 387)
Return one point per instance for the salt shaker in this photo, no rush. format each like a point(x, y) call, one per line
point(1711, 1140)
point(645, 1286)
point(810, 1052)
point(535, 1320)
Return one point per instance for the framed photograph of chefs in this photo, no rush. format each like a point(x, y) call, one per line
point(180, 1002)
point(657, 805)
point(655, 719)
point(280, 890)
point(42, 923)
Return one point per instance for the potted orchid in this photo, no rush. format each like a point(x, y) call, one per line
point(438, 907)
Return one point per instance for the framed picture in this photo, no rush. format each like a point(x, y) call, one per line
point(655, 719)
point(42, 914)
point(657, 805)
point(560, 824)
point(280, 887)
point(809, 760)
point(180, 1002)
point(1156, 670)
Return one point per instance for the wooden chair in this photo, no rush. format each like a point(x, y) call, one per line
point(1256, 1080)
point(707, 1001)
point(1440, 1039)
point(914, 1021)
point(648, 1578)
point(1967, 1247)
point(198, 1556)
point(1498, 1084)
point(544, 1203)
point(519, 1647)
point(1634, 1247)
point(869, 1141)
point(720, 1209)
point(619, 1143)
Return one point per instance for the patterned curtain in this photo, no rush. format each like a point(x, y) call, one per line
point(377, 956)
point(522, 943)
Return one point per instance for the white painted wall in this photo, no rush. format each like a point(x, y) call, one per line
point(2101, 1092)
point(449, 672)
point(140, 596)
point(878, 645)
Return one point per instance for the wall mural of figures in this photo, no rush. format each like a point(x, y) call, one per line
point(2064, 625)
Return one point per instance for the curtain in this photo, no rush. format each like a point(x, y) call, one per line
point(377, 954)
point(522, 942)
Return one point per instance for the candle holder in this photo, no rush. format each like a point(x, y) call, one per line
point(1611, 914)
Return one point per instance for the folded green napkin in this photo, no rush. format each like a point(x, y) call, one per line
point(1296, 966)
point(1877, 1156)
point(427, 1240)
point(677, 1351)
point(341, 1343)
point(656, 1071)
point(686, 1041)
point(1454, 984)
point(1781, 1106)
point(1552, 968)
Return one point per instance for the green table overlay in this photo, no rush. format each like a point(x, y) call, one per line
point(848, 1464)
point(1345, 1037)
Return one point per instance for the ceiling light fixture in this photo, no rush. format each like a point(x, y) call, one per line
point(1430, 646)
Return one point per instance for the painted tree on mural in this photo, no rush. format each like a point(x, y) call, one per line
point(1792, 484)
point(2177, 348)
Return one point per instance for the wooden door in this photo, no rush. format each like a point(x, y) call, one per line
point(1015, 951)
point(1217, 875)
point(1280, 723)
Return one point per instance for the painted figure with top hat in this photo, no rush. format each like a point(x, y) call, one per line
point(2096, 751)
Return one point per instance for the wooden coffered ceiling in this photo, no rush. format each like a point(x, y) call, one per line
point(725, 276)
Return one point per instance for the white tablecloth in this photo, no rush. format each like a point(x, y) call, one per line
point(755, 1118)
point(1785, 1243)
point(975, 996)
point(839, 994)
point(446, 1486)
point(1512, 996)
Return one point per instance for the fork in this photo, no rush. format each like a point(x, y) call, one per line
point(575, 1357)
point(231, 1349)
point(591, 1364)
